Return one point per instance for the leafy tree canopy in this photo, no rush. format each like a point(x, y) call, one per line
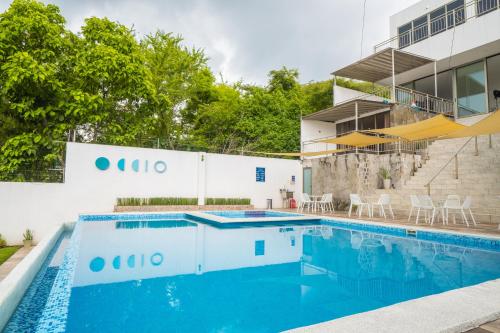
point(106, 85)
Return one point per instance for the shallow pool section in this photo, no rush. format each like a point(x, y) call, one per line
point(140, 274)
point(251, 214)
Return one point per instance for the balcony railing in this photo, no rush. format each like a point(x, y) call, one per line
point(485, 6)
point(423, 102)
point(440, 23)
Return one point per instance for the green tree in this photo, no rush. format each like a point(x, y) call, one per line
point(38, 104)
point(109, 66)
point(179, 77)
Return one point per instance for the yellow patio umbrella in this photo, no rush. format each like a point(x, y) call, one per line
point(357, 139)
point(488, 125)
point(426, 129)
point(298, 154)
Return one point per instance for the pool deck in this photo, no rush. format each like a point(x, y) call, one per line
point(12, 262)
point(484, 229)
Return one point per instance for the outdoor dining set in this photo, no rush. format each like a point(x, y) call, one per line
point(422, 206)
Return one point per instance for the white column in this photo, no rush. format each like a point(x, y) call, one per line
point(202, 171)
point(333, 89)
point(435, 79)
point(393, 78)
point(356, 119)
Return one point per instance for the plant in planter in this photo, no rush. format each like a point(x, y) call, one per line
point(386, 177)
point(28, 238)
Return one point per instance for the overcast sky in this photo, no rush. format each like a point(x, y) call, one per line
point(245, 39)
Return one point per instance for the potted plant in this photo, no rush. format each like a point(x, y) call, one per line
point(386, 177)
point(28, 238)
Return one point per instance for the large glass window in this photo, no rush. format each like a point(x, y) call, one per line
point(425, 85)
point(445, 85)
point(493, 68)
point(471, 95)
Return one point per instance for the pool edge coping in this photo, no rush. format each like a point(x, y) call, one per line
point(15, 284)
point(452, 311)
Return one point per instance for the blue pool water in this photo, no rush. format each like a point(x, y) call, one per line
point(251, 214)
point(177, 275)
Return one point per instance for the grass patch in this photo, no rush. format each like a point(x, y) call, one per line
point(227, 201)
point(6, 252)
point(179, 201)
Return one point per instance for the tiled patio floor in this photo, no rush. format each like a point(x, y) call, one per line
point(400, 220)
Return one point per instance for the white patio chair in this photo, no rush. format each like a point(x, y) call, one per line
point(415, 204)
point(326, 202)
point(305, 200)
point(356, 201)
point(466, 206)
point(383, 200)
point(452, 202)
point(428, 206)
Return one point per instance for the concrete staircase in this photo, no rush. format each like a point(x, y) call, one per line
point(478, 176)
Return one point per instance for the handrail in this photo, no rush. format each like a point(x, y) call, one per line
point(454, 157)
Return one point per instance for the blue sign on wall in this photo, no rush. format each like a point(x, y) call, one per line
point(260, 174)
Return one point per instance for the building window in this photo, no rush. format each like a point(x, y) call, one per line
point(493, 68)
point(404, 33)
point(455, 13)
point(485, 6)
point(420, 29)
point(438, 20)
point(471, 95)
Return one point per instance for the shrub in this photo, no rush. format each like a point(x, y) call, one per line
point(179, 201)
point(28, 234)
point(227, 201)
point(156, 201)
point(3, 243)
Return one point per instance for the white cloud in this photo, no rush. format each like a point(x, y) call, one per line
point(247, 39)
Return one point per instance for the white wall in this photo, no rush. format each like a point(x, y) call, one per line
point(342, 94)
point(89, 190)
point(313, 130)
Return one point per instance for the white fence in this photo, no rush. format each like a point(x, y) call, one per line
point(138, 172)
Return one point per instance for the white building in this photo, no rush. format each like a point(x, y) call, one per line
point(442, 57)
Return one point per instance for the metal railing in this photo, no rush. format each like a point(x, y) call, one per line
point(409, 147)
point(486, 6)
point(436, 25)
point(453, 158)
point(423, 102)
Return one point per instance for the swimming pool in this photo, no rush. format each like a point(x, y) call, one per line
point(166, 272)
point(251, 214)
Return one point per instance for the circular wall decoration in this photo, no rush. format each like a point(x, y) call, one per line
point(102, 163)
point(97, 264)
point(156, 259)
point(117, 262)
point(135, 165)
point(131, 261)
point(121, 164)
point(160, 166)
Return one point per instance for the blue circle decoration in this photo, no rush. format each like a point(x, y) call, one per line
point(102, 163)
point(131, 261)
point(135, 165)
point(121, 164)
point(156, 259)
point(117, 262)
point(97, 264)
point(160, 166)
